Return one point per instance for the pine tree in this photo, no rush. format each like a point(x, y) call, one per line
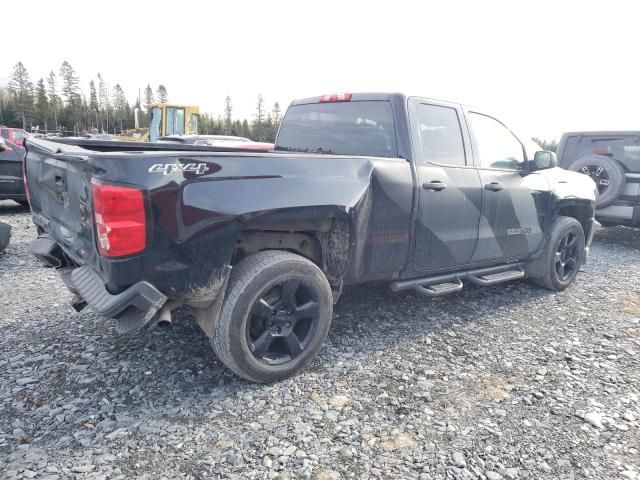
point(52, 93)
point(42, 104)
point(148, 97)
point(258, 124)
point(94, 107)
point(70, 84)
point(246, 130)
point(276, 114)
point(550, 145)
point(120, 105)
point(22, 90)
point(103, 101)
point(236, 128)
point(71, 93)
point(228, 112)
point(162, 94)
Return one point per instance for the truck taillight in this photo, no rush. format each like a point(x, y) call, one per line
point(120, 218)
point(336, 97)
point(24, 179)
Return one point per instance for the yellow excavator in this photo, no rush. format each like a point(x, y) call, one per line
point(165, 119)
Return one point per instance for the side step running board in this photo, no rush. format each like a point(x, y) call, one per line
point(494, 278)
point(438, 285)
point(439, 289)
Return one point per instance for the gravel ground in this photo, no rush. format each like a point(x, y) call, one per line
point(505, 382)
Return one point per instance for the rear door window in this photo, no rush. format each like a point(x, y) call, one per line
point(441, 135)
point(342, 128)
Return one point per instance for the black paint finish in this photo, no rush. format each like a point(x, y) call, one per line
point(397, 228)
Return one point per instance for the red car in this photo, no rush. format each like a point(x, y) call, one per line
point(14, 135)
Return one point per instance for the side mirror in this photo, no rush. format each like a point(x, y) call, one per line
point(543, 160)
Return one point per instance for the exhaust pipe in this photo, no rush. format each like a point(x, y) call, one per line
point(163, 318)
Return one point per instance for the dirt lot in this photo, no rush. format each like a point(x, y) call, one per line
point(505, 382)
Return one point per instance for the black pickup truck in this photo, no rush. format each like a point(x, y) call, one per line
point(425, 194)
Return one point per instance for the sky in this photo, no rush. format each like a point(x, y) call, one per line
point(542, 67)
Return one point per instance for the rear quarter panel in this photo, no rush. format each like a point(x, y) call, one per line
point(197, 218)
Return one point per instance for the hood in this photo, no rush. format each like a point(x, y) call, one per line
point(566, 184)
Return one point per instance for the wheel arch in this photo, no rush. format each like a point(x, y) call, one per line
point(320, 234)
point(582, 211)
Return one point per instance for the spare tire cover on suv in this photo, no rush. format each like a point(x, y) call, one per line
point(606, 172)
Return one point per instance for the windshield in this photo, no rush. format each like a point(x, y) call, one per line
point(19, 134)
point(154, 124)
point(175, 121)
point(343, 128)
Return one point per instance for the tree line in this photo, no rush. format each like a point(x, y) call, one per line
point(550, 145)
point(56, 103)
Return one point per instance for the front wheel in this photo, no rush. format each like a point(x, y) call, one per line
point(562, 258)
point(275, 316)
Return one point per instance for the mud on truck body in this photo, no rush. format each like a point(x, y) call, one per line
point(427, 195)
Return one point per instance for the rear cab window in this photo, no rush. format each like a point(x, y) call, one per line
point(363, 128)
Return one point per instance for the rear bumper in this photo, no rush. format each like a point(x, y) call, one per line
point(619, 214)
point(138, 303)
point(133, 308)
point(20, 197)
point(11, 188)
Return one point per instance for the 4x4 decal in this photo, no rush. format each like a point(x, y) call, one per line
point(169, 168)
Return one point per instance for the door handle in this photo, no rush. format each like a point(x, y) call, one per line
point(435, 185)
point(494, 186)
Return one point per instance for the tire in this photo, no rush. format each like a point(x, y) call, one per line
point(275, 317)
point(5, 235)
point(606, 172)
point(562, 258)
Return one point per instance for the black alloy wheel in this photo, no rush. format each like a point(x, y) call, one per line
point(275, 316)
point(282, 322)
point(567, 257)
point(557, 267)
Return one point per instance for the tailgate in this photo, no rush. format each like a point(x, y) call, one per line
point(59, 185)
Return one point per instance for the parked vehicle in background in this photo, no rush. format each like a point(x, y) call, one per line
point(425, 194)
point(228, 141)
point(15, 136)
point(612, 160)
point(11, 184)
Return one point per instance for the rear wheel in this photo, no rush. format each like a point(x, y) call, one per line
point(563, 256)
point(275, 316)
point(606, 172)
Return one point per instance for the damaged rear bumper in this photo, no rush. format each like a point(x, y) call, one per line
point(133, 308)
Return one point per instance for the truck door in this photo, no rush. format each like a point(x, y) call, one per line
point(514, 203)
point(446, 231)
